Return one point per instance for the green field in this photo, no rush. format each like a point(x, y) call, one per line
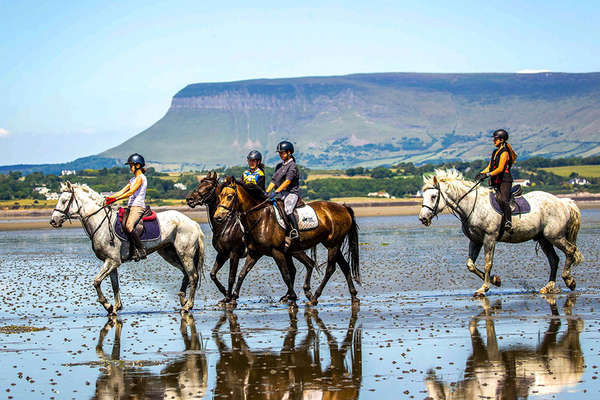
point(587, 171)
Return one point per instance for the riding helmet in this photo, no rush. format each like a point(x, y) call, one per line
point(285, 146)
point(255, 155)
point(500, 134)
point(136, 158)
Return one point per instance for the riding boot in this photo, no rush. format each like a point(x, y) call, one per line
point(139, 248)
point(294, 223)
point(508, 218)
point(132, 249)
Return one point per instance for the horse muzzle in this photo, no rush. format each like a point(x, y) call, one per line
point(56, 223)
point(191, 202)
point(425, 221)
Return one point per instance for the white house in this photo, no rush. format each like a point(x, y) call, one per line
point(67, 172)
point(180, 186)
point(522, 182)
point(382, 194)
point(579, 181)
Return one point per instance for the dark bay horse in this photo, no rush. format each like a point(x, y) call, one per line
point(228, 239)
point(336, 225)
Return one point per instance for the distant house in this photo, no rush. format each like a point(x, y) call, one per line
point(522, 182)
point(41, 189)
point(382, 194)
point(579, 181)
point(52, 196)
point(180, 186)
point(65, 172)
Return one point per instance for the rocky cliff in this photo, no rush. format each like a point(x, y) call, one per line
point(371, 119)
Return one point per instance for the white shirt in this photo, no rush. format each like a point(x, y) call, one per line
point(138, 198)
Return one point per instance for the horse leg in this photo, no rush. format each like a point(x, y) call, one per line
point(345, 267)
point(286, 273)
point(331, 259)
point(186, 256)
point(234, 262)
point(474, 249)
point(108, 266)
point(569, 249)
point(251, 261)
point(292, 276)
point(219, 262)
point(548, 250)
point(489, 245)
point(114, 281)
point(184, 285)
point(309, 264)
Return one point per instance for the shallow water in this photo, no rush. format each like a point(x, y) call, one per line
point(418, 332)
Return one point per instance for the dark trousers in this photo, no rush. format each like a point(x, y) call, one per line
point(504, 199)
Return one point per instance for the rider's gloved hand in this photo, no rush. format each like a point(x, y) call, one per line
point(481, 176)
point(109, 200)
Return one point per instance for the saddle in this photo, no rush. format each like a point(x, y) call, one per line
point(518, 204)
point(147, 228)
point(305, 215)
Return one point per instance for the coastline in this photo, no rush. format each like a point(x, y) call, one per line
point(11, 220)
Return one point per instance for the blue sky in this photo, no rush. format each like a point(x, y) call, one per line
point(79, 77)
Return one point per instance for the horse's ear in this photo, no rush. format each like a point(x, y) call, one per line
point(435, 180)
point(68, 185)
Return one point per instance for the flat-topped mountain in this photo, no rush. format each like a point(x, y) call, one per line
point(371, 119)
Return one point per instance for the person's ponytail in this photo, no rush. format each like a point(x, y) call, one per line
point(513, 155)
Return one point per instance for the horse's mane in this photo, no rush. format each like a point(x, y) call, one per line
point(452, 177)
point(95, 196)
point(255, 191)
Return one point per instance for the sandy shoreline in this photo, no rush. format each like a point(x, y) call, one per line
point(11, 220)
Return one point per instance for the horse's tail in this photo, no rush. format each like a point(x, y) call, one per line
point(199, 256)
point(353, 246)
point(573, 228)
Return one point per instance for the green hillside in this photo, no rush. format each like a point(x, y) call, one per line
point(373, 119)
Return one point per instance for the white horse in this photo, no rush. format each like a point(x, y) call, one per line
point(551, 222)
point(181, 241)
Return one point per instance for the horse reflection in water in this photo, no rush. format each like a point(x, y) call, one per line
point(516, 373)
point(181, 379)
point(296, 372)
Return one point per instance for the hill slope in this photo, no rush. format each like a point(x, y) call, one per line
point(370, 119)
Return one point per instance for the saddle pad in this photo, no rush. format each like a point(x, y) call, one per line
point(150, 217)
point(307, 218)
point(519, 205)
point(150, 232)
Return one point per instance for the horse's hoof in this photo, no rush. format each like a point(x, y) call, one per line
point(479, 294)
point(355, 302)
point(572, 285)
point(231, 305)
point(313, 302)
point(284, 299)
point(292, 305)
point(110, 310)
point(550, 288)
point(308, 295)
point(496, 281)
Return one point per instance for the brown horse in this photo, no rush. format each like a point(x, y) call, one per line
point(228, 239)
point(266, 237)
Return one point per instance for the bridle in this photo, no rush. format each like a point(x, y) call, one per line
point(84, 218)
point(454, 208)
point(203, 199)
point(233, 211)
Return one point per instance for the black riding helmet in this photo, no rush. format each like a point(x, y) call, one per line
point(255, 155)
point(285, 146)
point(136, 158)
point(500, 134)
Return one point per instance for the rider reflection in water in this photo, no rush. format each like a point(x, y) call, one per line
point(135, 190)
point(498, 170)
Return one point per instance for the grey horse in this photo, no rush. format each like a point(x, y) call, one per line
point(181, 241)
point(552, 222)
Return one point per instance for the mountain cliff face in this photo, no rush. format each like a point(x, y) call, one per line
point(372, 119)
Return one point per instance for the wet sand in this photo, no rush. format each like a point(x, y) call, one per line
point(418, 332)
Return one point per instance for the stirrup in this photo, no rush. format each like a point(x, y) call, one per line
point(294, 234)
point(508, 227)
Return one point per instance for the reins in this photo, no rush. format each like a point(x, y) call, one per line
point(84, 219)
point(455, 210)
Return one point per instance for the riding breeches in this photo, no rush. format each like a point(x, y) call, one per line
point(289, 203)
point(504, 199)
point(134, 214)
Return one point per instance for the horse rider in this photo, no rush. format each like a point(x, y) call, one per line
point(135, 190)
point(255, 174)
point(286, 182)
point(498, 170)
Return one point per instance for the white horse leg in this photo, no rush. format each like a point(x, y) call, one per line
point(569, 250)
point(186, 256)
point(474, 249)
point(489, 245)
point(548, 250)
point(107, 268)
point(114, 281)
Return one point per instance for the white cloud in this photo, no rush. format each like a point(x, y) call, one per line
point(4, 132)
point(533, 71)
